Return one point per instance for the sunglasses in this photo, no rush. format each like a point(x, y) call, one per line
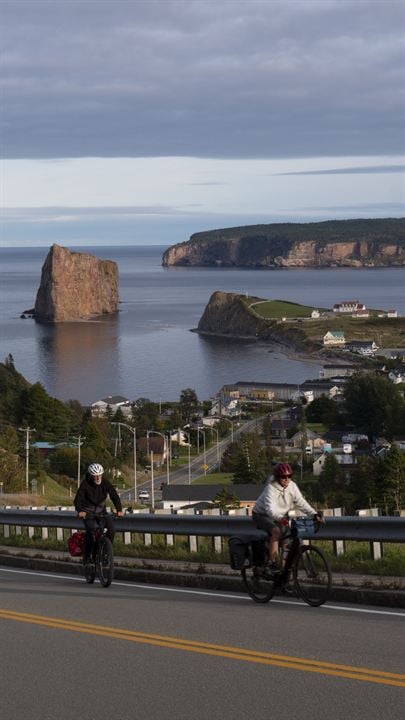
point(285, 477)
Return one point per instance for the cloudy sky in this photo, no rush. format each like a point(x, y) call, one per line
point(141, 122)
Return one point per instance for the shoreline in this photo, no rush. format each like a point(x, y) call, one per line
point(314, 358)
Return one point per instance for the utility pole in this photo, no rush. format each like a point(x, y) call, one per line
point(27, 431)
point(79, 439)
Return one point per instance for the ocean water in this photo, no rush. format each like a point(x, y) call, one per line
point(148, 349)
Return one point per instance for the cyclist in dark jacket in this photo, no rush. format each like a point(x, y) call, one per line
point(90, 505)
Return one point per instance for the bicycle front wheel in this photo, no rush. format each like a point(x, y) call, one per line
point(105, 562)
point(260, 588)
point(312, 575)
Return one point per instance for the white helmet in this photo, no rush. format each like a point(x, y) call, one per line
point(95, 469)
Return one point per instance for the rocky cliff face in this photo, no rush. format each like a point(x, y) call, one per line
point(227, 314)
point(76, 286)
point(345, 243)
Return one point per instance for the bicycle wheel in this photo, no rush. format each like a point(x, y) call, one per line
point(89, 572)
point(261, 589)
point(105, 562)
point(312, 575)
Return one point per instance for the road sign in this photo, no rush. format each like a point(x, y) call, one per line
point(204, 467)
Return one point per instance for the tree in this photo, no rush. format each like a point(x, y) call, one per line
point(390, 481)
point(374, 404)
point(323, 410)
point(188, 404)
point(328, 481)
point(226, 499)
point(250, 462)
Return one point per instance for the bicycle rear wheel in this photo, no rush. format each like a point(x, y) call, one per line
point(312, 575)
point(261, 589)
point(105, 561)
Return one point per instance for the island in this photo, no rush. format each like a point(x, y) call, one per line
point(333, 243)
point(75, 286)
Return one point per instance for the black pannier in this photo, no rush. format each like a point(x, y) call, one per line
point(246, 550)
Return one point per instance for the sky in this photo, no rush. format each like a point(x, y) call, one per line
point(143, 121)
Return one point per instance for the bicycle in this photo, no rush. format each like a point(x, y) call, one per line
point(307, 564)
point(102, 561)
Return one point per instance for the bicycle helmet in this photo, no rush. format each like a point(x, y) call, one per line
point(95, 469)
point(283, 470)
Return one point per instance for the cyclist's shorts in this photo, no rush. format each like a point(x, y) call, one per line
point(263, 522)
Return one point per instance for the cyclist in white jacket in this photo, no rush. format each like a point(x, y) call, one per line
point(279, 497)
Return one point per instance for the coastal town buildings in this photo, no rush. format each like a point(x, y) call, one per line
point(334, 338)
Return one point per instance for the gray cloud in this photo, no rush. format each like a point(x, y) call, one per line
point(366, 170)
point(247, 78)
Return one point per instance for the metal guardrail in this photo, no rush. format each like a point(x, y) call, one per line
point(371, 529)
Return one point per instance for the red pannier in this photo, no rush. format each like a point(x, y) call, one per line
point(76, 544)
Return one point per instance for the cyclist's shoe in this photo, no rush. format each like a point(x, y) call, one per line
point(287, 589)
point(271, 570)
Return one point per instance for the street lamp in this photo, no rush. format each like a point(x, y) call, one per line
point(79, 439)
point(27, 431)
point(189, 456)
point(133, 431)
point(204, 455)
point(165, 446)
point(230, 421)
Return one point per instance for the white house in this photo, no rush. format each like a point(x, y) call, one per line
point(349, 306)
point(315, 314)
point(335, 338)
point(392, 314)
point(363, 347)
point(396, 376)
point(113, 402)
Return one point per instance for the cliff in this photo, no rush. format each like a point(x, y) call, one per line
point(228, 314)
point(76, 286)
point(338, 243)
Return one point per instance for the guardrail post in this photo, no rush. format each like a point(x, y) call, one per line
point(217, 544)
point(376, 548)
point(59, 534)
point(192, 543)
point(338, 545)
point(45, 533)
point(147, 539)
point(169, 540)
point(6, 531)
point(126, 538)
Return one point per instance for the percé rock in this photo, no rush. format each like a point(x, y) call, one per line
point(334, 243)
point(76, 286)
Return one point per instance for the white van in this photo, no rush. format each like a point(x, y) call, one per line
point(143, 496)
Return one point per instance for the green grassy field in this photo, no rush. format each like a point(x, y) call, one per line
point(277, 309)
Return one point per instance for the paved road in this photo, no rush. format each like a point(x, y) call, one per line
point(182, 475)
point(133, 651)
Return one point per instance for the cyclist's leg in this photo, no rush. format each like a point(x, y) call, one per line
point(109, 524)
point(263, 522)
point(90, 524)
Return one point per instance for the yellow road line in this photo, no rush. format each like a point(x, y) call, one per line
point(233, 653)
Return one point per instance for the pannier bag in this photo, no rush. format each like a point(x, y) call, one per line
point(247, 550)
point(238, 552)
point(76, 544)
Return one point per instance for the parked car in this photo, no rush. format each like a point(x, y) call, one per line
point(143, 495)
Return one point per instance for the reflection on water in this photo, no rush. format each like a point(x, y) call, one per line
point(81, 354)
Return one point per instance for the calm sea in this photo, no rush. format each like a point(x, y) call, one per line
point(148, 350)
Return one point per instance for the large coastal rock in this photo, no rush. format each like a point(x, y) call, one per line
point(338, 243)
point(228, 314)
point(76, 286)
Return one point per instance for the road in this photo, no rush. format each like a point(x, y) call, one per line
point(72, 650)
point(181, 475)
